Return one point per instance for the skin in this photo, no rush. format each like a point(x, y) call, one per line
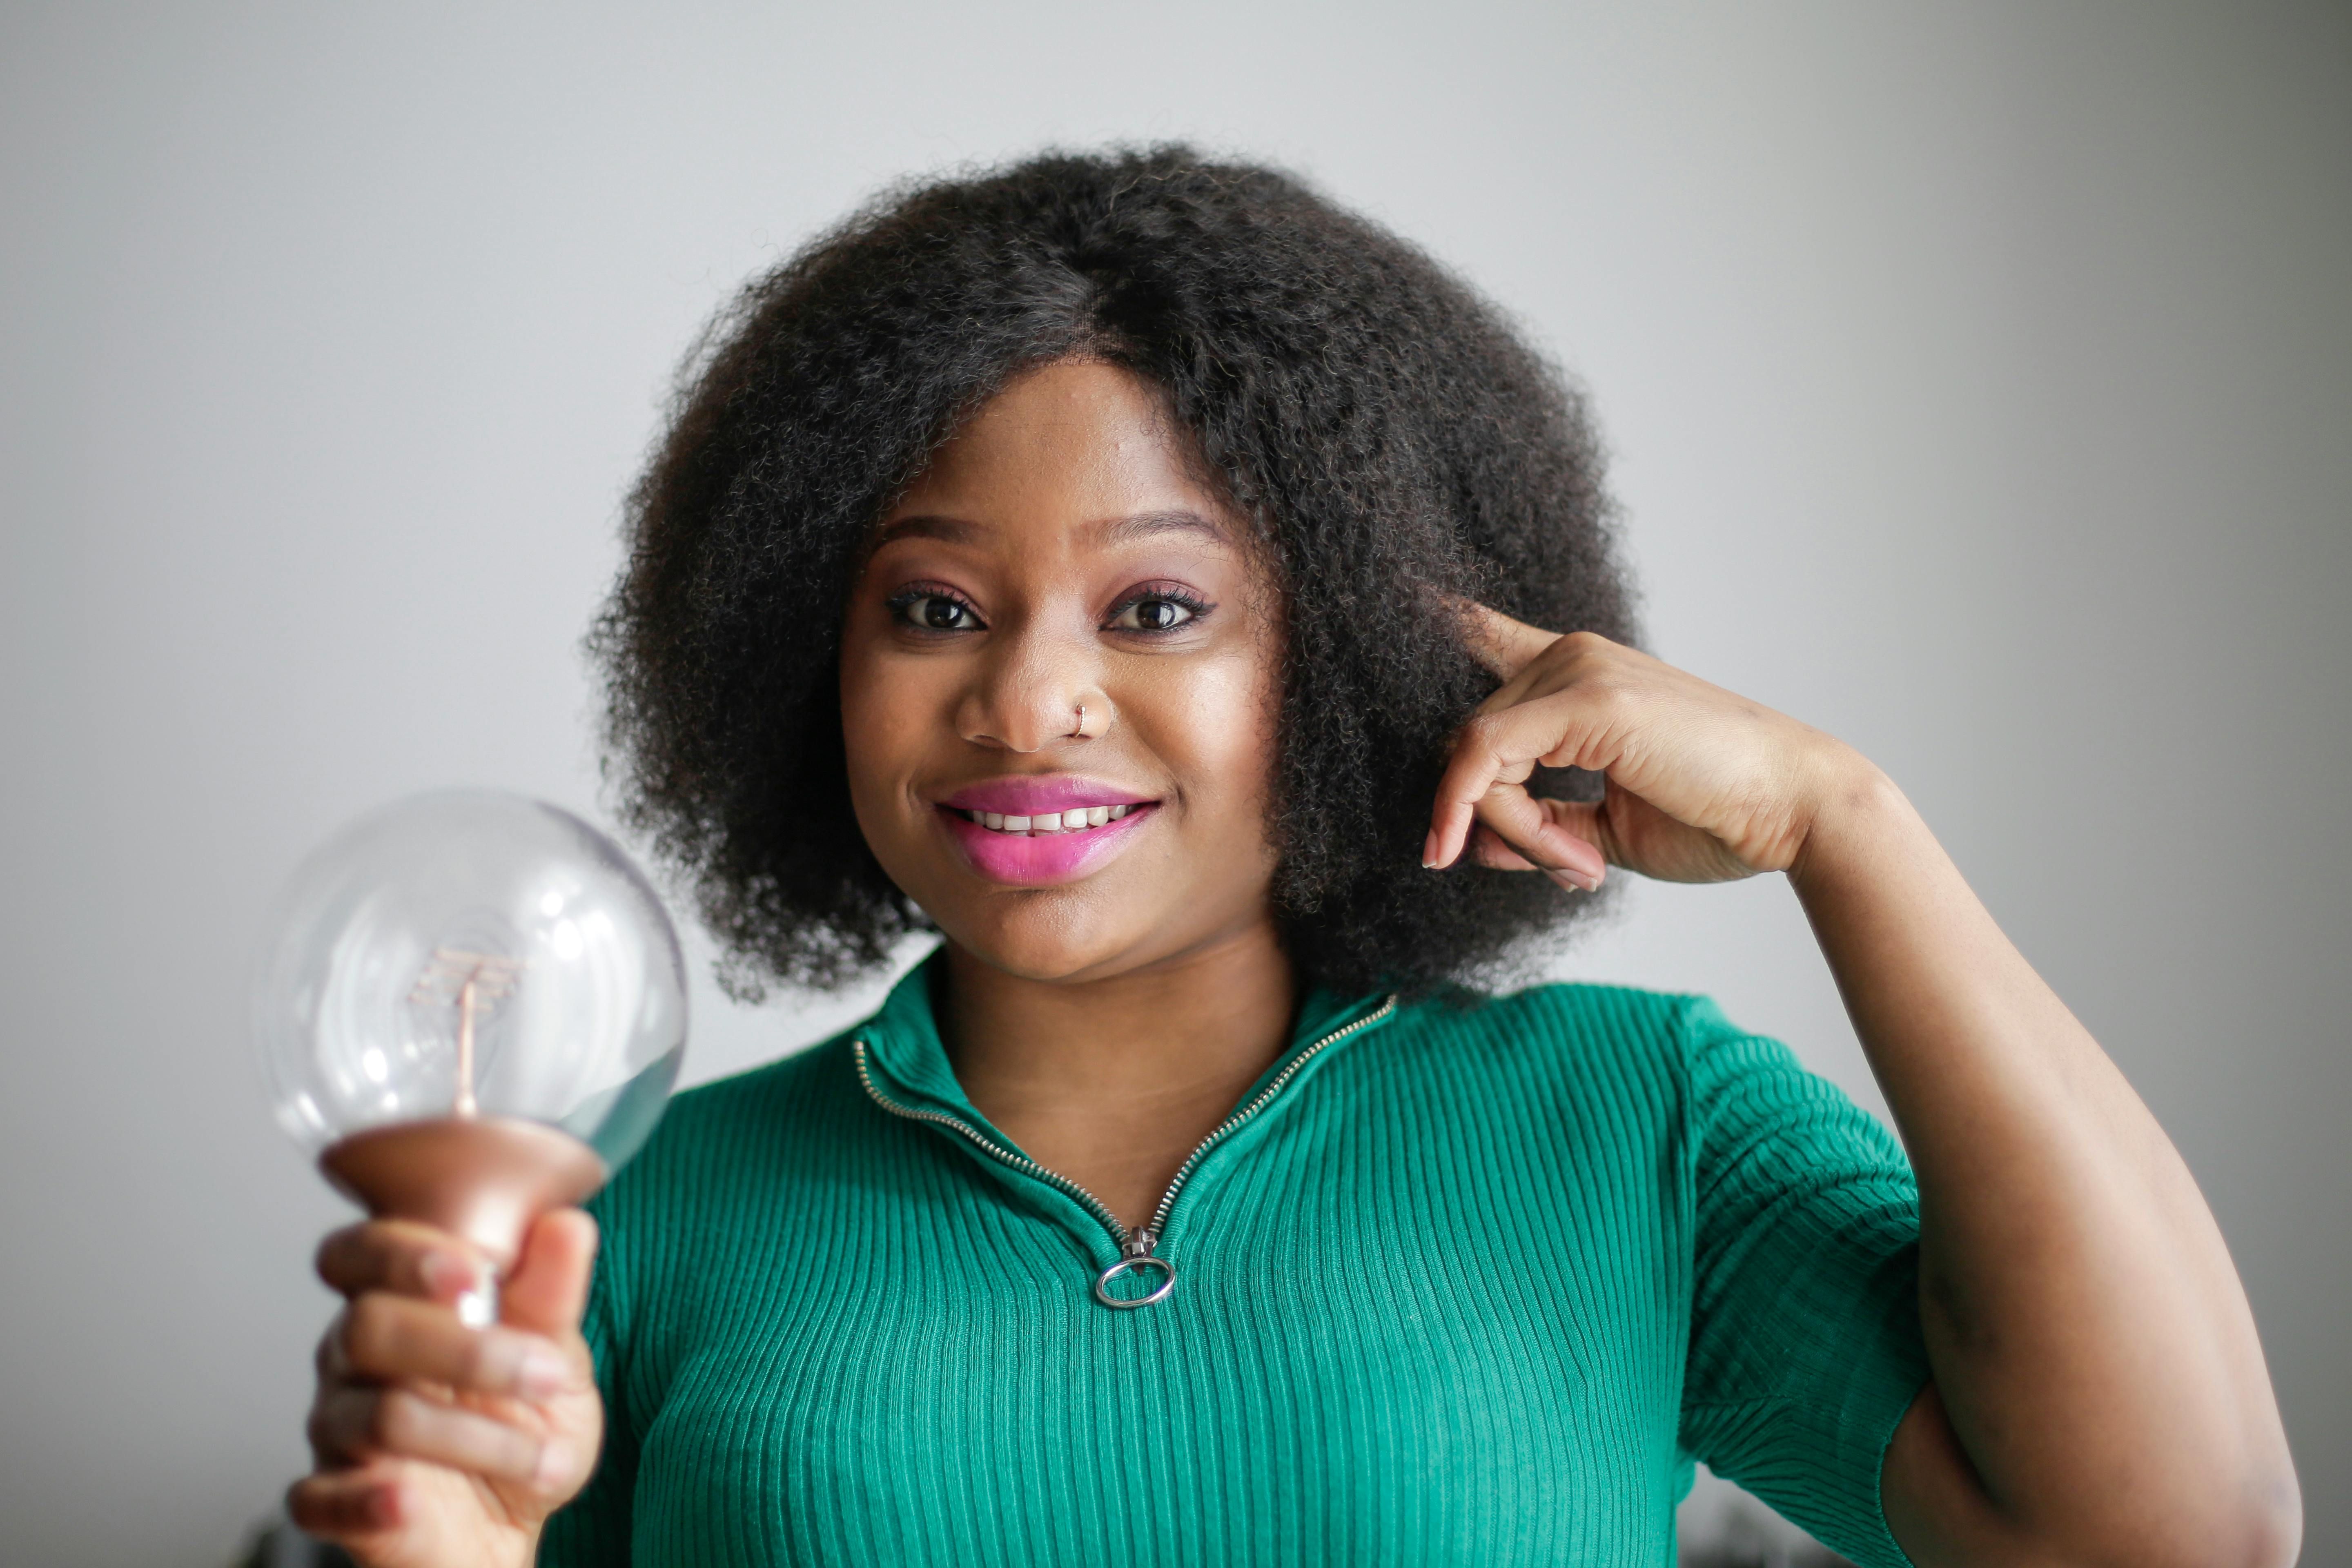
point(2099, 1394)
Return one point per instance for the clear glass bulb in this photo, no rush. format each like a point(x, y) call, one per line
point(473, 1009)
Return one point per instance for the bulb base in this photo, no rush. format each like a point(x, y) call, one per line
point(482, 1178)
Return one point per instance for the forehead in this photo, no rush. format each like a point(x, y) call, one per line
point(1079, 446)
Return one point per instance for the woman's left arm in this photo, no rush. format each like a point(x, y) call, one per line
point(2099, 1394)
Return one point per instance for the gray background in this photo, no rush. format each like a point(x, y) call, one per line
point(1980, 377)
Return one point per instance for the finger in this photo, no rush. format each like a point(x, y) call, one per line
point(1504, 645)
point(1519, 820)
point(1582, 818)
point(1486, 847)
point(402, 1257)
point(549, 1289)
point(340, 1505)
point(395, 1338)
point(350, 1425)
point(1494, 755)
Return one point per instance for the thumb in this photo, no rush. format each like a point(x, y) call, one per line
point(547, 1292)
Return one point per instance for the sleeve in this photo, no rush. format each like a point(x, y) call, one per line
point(1805, 1349)
point(593, 1530)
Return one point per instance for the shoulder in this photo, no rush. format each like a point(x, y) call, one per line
point(1675, 1051)
point(1588, 1051)
point(1564, 1024)
point(805, 1082)
point(751, 1128)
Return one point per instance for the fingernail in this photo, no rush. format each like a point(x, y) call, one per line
point(554, 1465)
point(446, 1274)
point(542, 1373)
point(1574, 881)
point(1429, 851)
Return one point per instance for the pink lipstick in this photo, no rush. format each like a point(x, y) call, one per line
point(1035, 832)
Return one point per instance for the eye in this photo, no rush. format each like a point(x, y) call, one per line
point(1158, 610)
point(929, 610)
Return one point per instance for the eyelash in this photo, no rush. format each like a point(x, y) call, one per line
point(1196, 607)
point(902, 606)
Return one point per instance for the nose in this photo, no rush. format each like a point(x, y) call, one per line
point(1027, 688)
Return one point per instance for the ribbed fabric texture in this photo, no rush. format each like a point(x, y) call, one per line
point(1475, 1285)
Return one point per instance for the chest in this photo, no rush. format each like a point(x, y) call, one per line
point(1364, 1358)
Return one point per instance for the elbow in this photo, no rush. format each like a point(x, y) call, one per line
point(2270, 1536)
point(2263, 1529)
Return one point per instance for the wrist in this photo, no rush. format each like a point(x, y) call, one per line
point(1859, 817)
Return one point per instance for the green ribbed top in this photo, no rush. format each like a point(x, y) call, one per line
point(1473, 1283)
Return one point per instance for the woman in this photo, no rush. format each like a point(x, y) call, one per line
point(1152, 579)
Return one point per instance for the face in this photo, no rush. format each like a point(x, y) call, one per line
point(1059, 554)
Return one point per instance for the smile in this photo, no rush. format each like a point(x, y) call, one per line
point(1077, 820)
point(1041, 830)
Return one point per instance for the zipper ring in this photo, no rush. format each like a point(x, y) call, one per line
point(1128, 1265)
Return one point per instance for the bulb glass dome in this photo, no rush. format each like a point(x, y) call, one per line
point(471, 955)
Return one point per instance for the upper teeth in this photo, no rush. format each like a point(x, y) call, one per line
point(1051, 821)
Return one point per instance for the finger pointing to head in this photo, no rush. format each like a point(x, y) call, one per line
point(1504, 645)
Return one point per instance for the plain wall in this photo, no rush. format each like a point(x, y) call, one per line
point(1979, 378)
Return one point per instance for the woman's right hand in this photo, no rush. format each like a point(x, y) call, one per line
point(439, 1445)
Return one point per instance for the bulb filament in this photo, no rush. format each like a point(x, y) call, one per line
point(474, 982)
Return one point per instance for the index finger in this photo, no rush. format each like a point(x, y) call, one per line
point(1504, 645)
point(402, 1257)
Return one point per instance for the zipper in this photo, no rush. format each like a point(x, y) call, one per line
point(1137, 1247)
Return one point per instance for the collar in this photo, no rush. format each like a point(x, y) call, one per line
point(903, 1037)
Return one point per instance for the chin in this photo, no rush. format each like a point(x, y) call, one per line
point(1047, 939)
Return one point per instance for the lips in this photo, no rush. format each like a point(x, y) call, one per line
point(1034, 797)
point(1038, 831)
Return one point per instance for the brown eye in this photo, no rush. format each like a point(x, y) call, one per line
point(1153, 614)
point(935, 612)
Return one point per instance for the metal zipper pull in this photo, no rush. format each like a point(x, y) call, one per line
point(1136, 1246)
point(1135, 1253)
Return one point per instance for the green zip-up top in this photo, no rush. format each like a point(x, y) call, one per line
point(1456, 1283)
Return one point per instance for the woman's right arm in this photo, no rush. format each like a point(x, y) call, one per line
point(438, 1444)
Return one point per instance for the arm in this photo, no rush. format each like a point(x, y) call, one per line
point(2099, 1394)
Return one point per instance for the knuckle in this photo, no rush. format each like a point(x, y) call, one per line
point(1607, 690)
point(1483, 733)
point(397, 1420)
point(487, 1361)
point(319, 1430)
point(333, 1260)
point(303, 1509)
point(371, 1334)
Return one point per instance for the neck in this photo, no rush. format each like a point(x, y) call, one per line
point(1111, 1082)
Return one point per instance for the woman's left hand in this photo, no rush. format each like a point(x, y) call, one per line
point(1702, 785)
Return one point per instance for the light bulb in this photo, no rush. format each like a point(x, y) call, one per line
point(472, 1011)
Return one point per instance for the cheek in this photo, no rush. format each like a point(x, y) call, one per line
point(1215, 730)
point(887, 720)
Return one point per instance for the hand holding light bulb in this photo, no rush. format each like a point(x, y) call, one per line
point(438, 1443)
point(472, 1014)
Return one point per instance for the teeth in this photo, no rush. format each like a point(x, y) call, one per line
point(1071, 821)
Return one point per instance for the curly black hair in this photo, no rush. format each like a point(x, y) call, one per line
point(1389, 437)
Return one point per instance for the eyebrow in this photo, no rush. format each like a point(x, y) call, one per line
point(1112, 531)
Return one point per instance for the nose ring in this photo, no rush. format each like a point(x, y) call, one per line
point(1080, 732)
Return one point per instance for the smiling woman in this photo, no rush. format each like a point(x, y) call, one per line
point(1169, 590)
point(1358, 432)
